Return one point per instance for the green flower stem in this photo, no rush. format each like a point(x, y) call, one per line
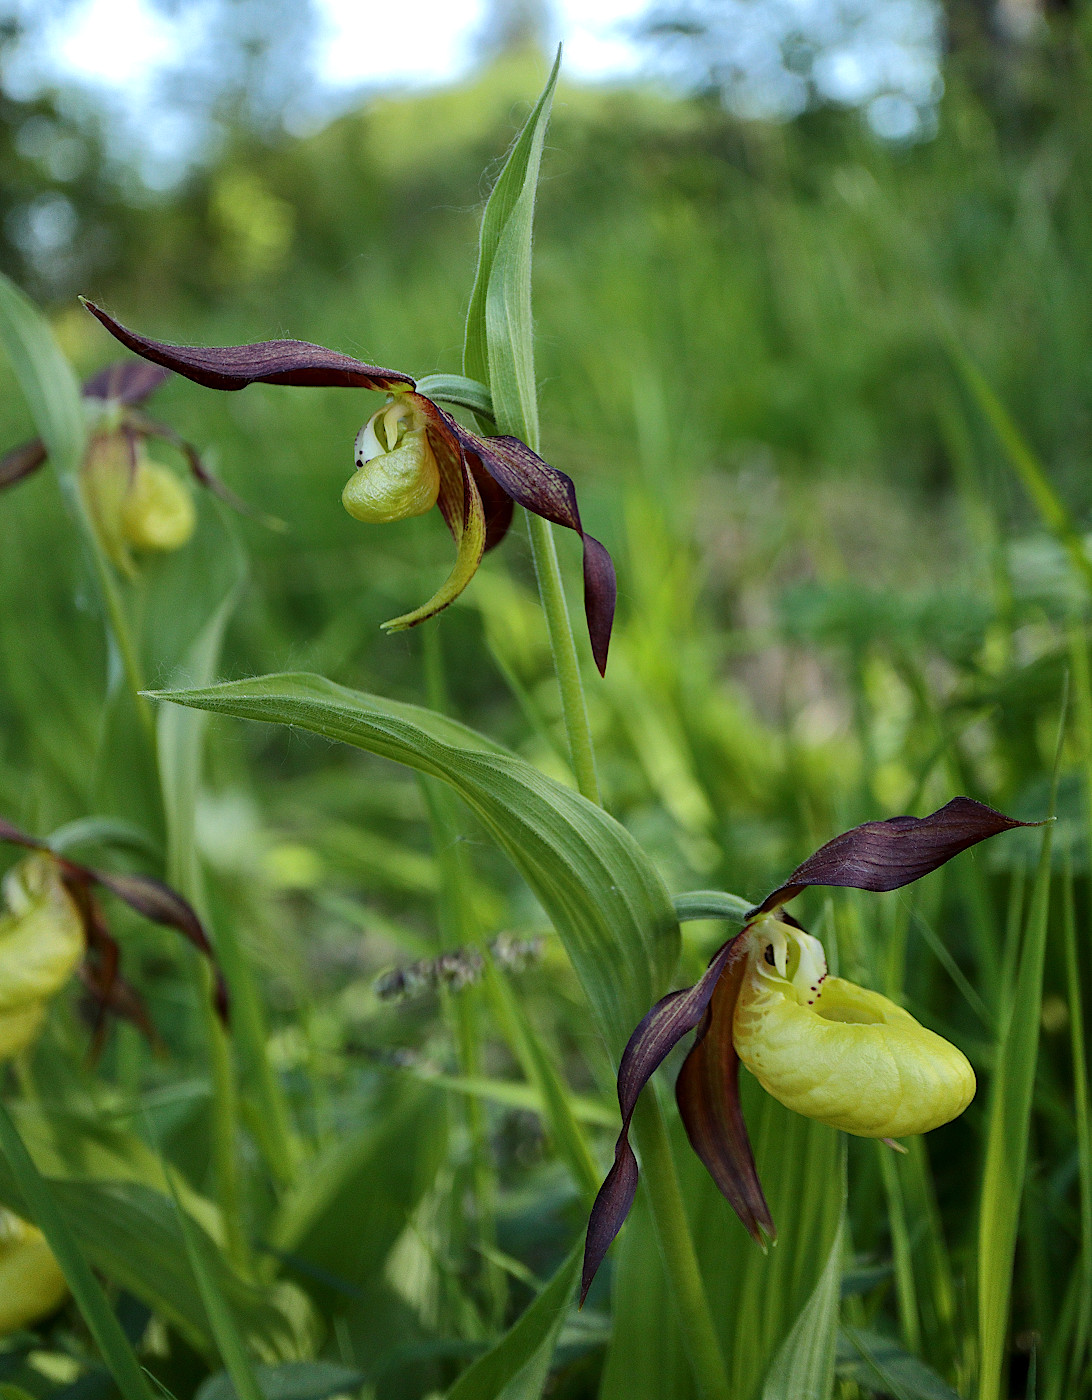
point(225, 1123)
point(118, 626)
point(680, 1259)
point(551, 591)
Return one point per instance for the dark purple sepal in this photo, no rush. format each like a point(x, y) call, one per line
point(161, 904)
point(707, 1092)
point(889, 854)
point(547, 492)
point(231, 367)
point(20, 838)
point(152, 427)
point(21, 462)
point(673, 1016)
point(128, 382)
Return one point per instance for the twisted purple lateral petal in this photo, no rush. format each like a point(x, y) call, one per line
point(128, 381)
point(497, 503)
point(21, 461)
point(661, 1030)
point(889, 854)
point(707, 1092)
point(268, 362)
point(161, 904)
point(547, 492)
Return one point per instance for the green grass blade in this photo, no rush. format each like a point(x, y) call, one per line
point(1008, 1125)
point(90, 1299)
point(539, 1067)
point(225, 1330)
point(1083, 1320)
point(1032, 474)
point(517, 1368)
point(803, 1368)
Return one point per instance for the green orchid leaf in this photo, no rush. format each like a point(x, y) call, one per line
point(518, 1367)
point(45, 377)
point(293, 1380)
point(509, 322)
point(458, 390)
point(877, 1364)
point(130, 1234)
point(711, 904)
point(520, 175)
point(605, 898)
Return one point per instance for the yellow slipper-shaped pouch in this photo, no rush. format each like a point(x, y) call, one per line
point(831, 1050)
point(31, 1283)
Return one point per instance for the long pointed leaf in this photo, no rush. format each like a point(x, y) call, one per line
point(604, 896)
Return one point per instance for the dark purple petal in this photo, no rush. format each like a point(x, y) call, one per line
point(21, 461)
point(547, 492)
point(129, 382)
point(707, 1092)
point(161, 904)
point(661, 1030)
point(20, 838)
point(889, 854)
point(268, 362)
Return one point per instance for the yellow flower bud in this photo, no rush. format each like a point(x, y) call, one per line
point(133, 505)
point(41, 943)
point(20, 1028)
point(158, 512)
point(31, 1283)
point(397, 475)
point(834, 1051)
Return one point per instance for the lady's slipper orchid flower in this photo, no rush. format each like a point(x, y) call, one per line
point(134, 503)
point(31, 1283)
point(411, 455)
point(820, 1045)
point(54, 924)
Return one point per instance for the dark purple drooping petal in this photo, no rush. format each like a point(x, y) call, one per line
point(889, 854)
point(128, 382)
point(547, 492)
point(497, 503)
point(268, 362)
point(161, 904)
point(661, 1030)
point(707, 1092)
point(21, 462)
